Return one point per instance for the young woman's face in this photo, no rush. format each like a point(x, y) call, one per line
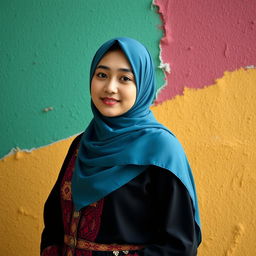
point(113, 87)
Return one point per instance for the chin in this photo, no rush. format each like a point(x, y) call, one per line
point(107, 114)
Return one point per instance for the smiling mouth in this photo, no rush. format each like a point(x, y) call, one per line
point(109, 101)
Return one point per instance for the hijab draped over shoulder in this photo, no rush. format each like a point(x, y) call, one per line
point(114, 150)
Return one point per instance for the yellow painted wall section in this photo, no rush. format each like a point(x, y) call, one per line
point(216, 126)
point(26, 180)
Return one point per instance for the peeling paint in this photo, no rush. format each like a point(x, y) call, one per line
point(250, 66)
point(202, 40)
point(164, 17)
point(17, 152)
point(165, 66)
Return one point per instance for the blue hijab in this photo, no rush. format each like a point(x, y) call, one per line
point(114, 150)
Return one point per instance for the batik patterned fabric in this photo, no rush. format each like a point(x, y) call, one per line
point(81, 227)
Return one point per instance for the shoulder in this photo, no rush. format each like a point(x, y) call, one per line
point(75, 142)
point(164, 140)
point(77, 139)
point(72, 148)
point(71, 151)
point(159, 172)
point(161, 175)
point(164, 178)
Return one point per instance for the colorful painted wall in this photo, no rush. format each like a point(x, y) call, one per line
point(208, 57)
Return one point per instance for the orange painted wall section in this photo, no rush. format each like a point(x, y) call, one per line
point(216, 126)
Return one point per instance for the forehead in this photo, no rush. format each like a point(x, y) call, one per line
point(115, 59)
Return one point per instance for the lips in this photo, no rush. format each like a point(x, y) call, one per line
point(109, 101)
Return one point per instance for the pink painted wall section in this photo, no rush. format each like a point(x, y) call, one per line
point(203, 39)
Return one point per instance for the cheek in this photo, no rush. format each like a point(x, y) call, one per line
point(133, 94)
point(130, 96)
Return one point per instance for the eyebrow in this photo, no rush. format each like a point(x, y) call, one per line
point(120, 69)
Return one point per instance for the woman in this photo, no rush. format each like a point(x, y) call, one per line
point(125, 187)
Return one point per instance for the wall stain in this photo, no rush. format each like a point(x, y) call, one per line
point(238, 181)
point(23, 212)
point(237, 234)
point(48, 109)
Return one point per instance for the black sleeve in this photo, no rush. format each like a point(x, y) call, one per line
point(53, 232)
point(177, 229)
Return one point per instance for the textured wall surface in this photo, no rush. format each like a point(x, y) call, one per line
point(46, 50)
point(216, 126)
point(220, 144)
point(27, 179)
point(44, 62)
point(203, 39)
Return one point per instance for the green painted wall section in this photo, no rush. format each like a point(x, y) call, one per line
point(46, 48)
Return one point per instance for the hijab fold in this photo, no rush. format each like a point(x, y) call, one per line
point(114, 150)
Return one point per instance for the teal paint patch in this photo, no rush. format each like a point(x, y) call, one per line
point(46, 50)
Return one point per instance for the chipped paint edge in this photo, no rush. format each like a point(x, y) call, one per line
point(164, 66)
point(16, 150)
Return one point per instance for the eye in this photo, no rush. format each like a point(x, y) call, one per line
point(101, 75)
point(125, 79)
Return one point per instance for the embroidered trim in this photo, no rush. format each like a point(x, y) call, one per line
point(90, 221)
point(84, 224)
point(66, 191)
point(87, 245)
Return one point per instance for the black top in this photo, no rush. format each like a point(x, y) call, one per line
point(153, 209)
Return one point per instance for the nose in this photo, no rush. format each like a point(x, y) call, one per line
point(111, 86)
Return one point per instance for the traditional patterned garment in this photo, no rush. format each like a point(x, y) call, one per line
point(126, 187)
point(159, 219)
